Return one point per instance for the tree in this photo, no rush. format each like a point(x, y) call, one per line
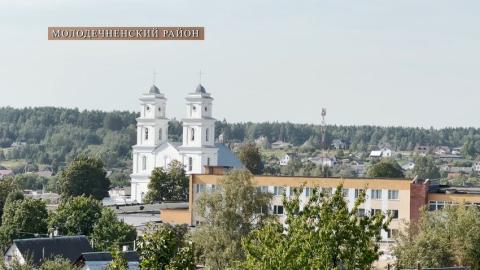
point(250, 157)
point(23, 218)
point(425, 168)
point(7, 185)
point(109, 232)
point(58, 264)
point(165, 246)
point(75, 216)
point(387, 168)
point(168, 185)
point(442, 238)
point(84, 176)
point(118, 261)
point(324, 234)
point(228, 214)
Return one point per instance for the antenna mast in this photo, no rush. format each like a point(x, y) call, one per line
point(323, 129)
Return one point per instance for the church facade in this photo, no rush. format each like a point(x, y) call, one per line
point(197, 150)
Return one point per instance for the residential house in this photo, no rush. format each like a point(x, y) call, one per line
point(278, 145)
point(358, 168)
point(377, 154)
point(408, 166)
point(386, 152)
point(442, 150)
point(324, 161)
point(4, 173)
point(285, 159)
point(422, 150)
point(37, 250)
point(456, 150)
point(339, 144)
point(476, 166)
point(456, 171)
point(100, 260)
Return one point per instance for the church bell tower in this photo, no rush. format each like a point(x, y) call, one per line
point(198, 148)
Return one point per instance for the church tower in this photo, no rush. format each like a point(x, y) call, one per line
point(198, 148)
point(152, 132)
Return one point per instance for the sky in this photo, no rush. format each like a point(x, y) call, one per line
point(375, 62)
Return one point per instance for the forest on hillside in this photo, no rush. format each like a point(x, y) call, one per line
point(53, 136)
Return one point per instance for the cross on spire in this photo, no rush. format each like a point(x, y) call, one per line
point(154, 76)
point(200, 73)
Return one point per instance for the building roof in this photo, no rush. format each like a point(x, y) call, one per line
point(227, 158)
point(40, 249)
point(131, 256)
point(200, 89)
point(154, 90)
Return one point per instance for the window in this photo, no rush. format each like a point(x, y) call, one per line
point(278, 209)
point(160, 134)
point(376, 194)
point(392, 233)
point(358, 192)
point(436, 205)
point(190, 163)
point(263, 189)
point(208, 161)
point(144, 163)
point(194, 108)
point(360, 212)
point(393, 214)
point(327, 191)
point(192, 134)
point(206, 135)
point(146, 133)
point(308, 192)
point(345, 192)
point(376, 211)
point(213, 187)
point(159, 109)
point(200, 188)
point(277, 191)
point(261, 209)
point(148, 108)
point(206, 108)
point(393, 194)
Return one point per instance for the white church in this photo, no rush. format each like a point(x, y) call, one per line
point(198, 149)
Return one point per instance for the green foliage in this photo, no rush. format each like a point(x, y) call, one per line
point(84, 176)
point(168, 185)
point(58, 264)
point(425, 168)
point(228, 214)
point(118, 261)
point(250, 157)
point(23, 218)
point(110, 233)
point(75, 216)
point(323, 234)
point(442, 238)
point(165, 247)
point(386, 168)
point(31, 181)
point(7, 185)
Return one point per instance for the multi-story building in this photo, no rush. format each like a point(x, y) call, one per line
point(404, 199)
point(399, 197)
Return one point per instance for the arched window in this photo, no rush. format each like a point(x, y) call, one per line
point(190, 163)
point(192, 134)
point(160, 134)
point(144, 163)
point(206, 135)
point(146, 133)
